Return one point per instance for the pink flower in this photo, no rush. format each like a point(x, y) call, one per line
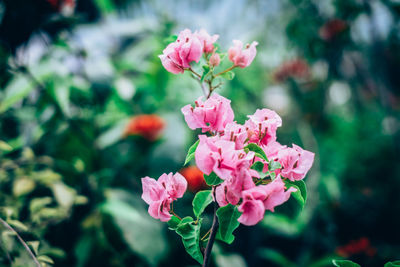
point(239, 57)
point(207, 40)
point(178, 55)
point(262, 126)
point(230, 191)
point(295, 161)
point(215, 60)
point(236, 133)
point(264, 197)
point(211, 115)
point(214, 154)
point(160, 194)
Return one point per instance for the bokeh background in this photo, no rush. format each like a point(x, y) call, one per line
point(77, 76)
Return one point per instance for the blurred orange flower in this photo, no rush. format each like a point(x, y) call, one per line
point(332, 28)
point(296, 68)
point(195, 178)
point(148, 126)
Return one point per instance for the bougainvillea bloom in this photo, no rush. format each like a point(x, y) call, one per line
point(161, 193)
point(148, 126)
point(264, 197)
point(262, 126)
point(242, 57)
point(216, 155)
point(236, 133)
point(194, 177)
point(211, 115)
point(178, 55)
point(207, 40)
point(296, 162)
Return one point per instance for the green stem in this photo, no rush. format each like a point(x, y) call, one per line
point(228, 69)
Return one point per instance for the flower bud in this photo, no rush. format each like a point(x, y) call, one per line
point(215, 60)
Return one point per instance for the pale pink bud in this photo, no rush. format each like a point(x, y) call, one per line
point(242, 57)
point(215, 60)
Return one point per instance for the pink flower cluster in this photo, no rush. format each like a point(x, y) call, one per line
point(161, 193)
point(189, 47)
point(224, 154)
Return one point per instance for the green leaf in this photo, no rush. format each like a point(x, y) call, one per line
point(274, 165)
point(275, 256)
point(16, 90)
point(300, 195)
point(392, 264)
point(34, 246)
point(228, 221)
point(5, 147)
point(212, 179)
point(258, 150)
point(259, 166)
point(228, 75)
point(206, 71)
point(191, 151)
point(173, 223)
point(190, 234)
point(344, 263)
point(18, 225)
point(45, 259)
point(201, 200)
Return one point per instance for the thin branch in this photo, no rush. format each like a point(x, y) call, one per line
point(211, 240)
point(228, 69)
point(6, 225)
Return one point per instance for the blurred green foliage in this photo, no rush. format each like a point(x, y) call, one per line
point(70, 178)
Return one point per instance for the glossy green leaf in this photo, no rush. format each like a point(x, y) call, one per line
point(300, 195)
point(212, 179)
point(259, 166)
point(201, 201)
point(190, 234)
point(344, 263)
point(173, 222)
point(190, 154)
point(258, 150)
point(228, 221)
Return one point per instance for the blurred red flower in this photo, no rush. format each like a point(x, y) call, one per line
point(148, 126)
point(361, 245)
point(195, 178)
point(63, 5)
point(297, 69)
point(332, 28)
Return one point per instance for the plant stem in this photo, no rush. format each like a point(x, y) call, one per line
point(228, 69)
point(6, 225)
point(195, 73)
point(213, 233)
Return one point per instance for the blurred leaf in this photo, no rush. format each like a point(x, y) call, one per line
point(18, 88)
point(230, 260)
point(206, 70)
point(46, 259)
point(5, 147)
point(35, 246)
point(283, 224)
point(191, 152)
point(17, 224)
point(142, 233)
point(228, 221)
point(212, 179)
point(111, 136)
point(23, 186)
point(345, 263)
point(64, 195)
point(37, 204)
point(190, 234)
point(200, 201)
point(275, 257)
point(61, 93)
point(392, 264)
point(228, 75)
point(258, 150)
